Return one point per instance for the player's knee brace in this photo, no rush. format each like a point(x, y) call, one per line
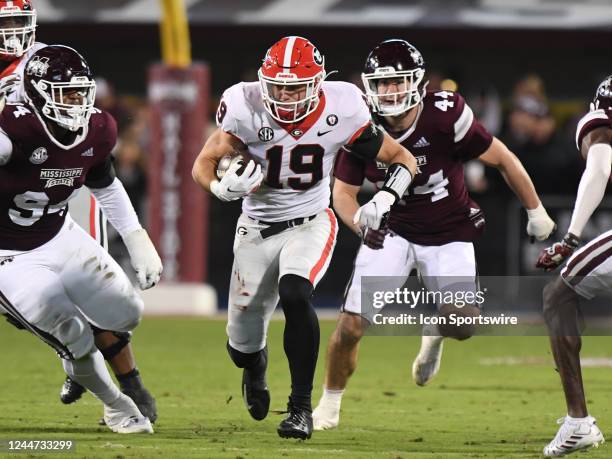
point(244, 360)
point(76, 336)
point(295, 293)
point(123, 339)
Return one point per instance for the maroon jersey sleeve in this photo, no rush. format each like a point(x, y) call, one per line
point(471, 139)
point(349, 168)
point(102, 173)
point(592, 120)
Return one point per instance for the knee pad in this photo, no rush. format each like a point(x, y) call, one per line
point(76, 336)
point(111, 351)
point(294, 291)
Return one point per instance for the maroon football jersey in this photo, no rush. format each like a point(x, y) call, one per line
point(592, 120)
point(436, 209)
point(43, 175)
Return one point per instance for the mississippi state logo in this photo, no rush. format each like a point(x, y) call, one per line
point(39, 156)
point(332, 120)
point(38, 66)
point(265, 134)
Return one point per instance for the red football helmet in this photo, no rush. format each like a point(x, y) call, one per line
point(17, 28)
point(291, 75)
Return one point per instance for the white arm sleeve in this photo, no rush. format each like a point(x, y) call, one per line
point(6, 148)
point(592, 186)
point(117, 207)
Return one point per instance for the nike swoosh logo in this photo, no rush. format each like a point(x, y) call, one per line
point(319, 134)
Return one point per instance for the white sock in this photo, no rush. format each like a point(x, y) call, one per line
point(91, 373)
point(332, 396)
point(569, 418)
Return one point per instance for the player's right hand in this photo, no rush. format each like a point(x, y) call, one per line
point(233, 186)
point(375, 239)
point(539, 224)
point(552, 257)
point(9, 83)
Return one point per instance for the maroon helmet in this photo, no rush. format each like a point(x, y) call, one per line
point(603, 95)
point(59, 85)
point(393, 77)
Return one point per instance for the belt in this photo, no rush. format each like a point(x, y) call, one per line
point(278, 227)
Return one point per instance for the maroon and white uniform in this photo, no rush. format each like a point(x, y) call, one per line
point(434, 224)
point(85, 208)
point(71, 275)
point(589, 270)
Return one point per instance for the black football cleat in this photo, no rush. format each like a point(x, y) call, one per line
point(255, 392)
point(297, 424)
point(71, 391)
point(144, 401)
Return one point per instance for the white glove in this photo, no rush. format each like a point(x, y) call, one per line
point(8, 84)
point(144, 258)
point(371, 213)
point(540, 225)
point(233, 186)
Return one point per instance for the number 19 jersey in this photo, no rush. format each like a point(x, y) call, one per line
point(296, 159)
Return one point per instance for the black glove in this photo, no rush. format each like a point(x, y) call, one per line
point(375, 239)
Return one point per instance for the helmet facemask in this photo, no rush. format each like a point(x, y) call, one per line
point(17, 31)
point(391, 92)
point(70, 116)
point(290, 111)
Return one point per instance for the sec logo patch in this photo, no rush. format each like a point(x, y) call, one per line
point(39, 156)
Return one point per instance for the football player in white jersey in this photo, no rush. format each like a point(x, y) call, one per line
point(292, 123)
point(17, 45)
point(587, 273)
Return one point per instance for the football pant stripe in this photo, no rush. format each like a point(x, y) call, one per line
point(329, 246)
point(52, 341)
point(586, 254)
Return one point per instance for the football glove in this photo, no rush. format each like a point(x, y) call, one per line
point(233, 186)
point(144, 258)
point(374, 239)
point(372, 213)
point(553, 256)
point(539, 225)
point(8, 84)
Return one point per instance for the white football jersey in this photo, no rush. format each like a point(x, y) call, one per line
point(296, 159)
point(18, 95)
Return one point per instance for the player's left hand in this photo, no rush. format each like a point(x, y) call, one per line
point(540, 225)
point(9, 83)
point(552, 257)
point(371, 214)
point(375, 239)
point(144, 258)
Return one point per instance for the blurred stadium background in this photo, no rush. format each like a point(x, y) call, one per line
point(528, 68)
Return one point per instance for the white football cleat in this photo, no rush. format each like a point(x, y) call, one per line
point(574, 435)
point(427, 362)
point(326, 415)
point(124, 417)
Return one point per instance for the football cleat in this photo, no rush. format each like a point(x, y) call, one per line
point(326, 415)
point(71, 391)
point(574, 435)
point(297, 424)
point(427, 362)
point(144, 401)
point(256, 395)
point(124, 417)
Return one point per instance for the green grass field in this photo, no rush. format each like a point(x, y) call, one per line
point(469, 410)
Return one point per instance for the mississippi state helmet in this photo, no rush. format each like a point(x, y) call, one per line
point(292, 65)
point(60, 86)
point(603, 95)
point(17, 28)
point(393, 77)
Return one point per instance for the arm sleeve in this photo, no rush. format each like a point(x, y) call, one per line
point(366, 142)
point(469, 135)
point(102, 175)
point(592, 186)
point(117, 207)
point(349, 168)
point(592, 120)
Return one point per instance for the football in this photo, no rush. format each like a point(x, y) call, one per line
point(230, 159)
